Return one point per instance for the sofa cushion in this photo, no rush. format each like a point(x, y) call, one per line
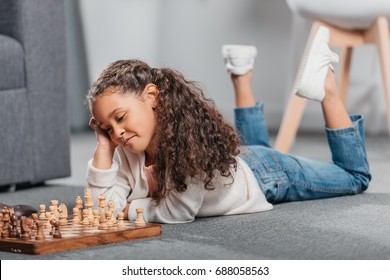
point(11, 63)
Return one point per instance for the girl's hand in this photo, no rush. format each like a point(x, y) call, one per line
point(105, 149)
point(126, 211)
point(102, 137)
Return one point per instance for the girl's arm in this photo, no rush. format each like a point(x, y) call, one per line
point(103, 173)
point(102, 157)
point(112, 183)
point(174, 208)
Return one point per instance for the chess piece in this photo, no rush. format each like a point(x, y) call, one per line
point(139, 222)
point(110, 222)
point(42, 211)
point(40, 234)
point(89, 203)
point(11, 211)
point(56, 213)
point(102, 202)
point(63, 214)
point(102, 220)
point(85, 221)
point(6, 221)
point(1, 223)
point(20, 210)
point(52, 221)
point(47, 220)
point(35, 218)
point(13, 229)
point(79, 205)
point(76, 217)
point(111, 207)
point(25, 228)
point(121, 222)
point(53, 210)
point(56, 230)
point(95, 217)
point(62, 208)
point(63, 220)
point(88, 191)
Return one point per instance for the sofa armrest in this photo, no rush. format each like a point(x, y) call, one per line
point(39, 25)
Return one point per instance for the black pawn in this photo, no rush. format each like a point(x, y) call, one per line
point(13, 229)
point(57, 233)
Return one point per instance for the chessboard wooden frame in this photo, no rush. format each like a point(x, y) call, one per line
point(83, 240)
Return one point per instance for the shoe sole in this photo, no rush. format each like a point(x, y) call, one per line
point(238, 51)
point(304, 60)
point(239, 59)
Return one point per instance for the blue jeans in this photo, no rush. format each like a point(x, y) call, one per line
point(283, 177)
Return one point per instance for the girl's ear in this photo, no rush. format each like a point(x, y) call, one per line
point(150, 94)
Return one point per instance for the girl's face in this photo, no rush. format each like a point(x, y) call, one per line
point(129, 120)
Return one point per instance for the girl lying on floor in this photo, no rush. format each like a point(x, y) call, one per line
point(163, 146)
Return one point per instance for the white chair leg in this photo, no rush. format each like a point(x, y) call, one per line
point(344, 70)
point(290, 123)
point(379, 35)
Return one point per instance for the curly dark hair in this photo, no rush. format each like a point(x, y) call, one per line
point(193, 139)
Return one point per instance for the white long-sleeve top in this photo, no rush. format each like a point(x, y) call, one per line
point(127, 181)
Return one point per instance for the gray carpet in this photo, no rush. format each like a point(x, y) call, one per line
point(353, 227)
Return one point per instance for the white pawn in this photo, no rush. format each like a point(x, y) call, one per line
point(110, 222)
point(53, 209)
point(102, 201)
point(88, 191)
point(76, 218)
point(111, 207)
point(139, 222)
point(121, 222)
point(42, 211)
point(95, 217)
point(102, 204)
point(102, 220)
point(79, 205)
point(47, 220)
point(85, 221)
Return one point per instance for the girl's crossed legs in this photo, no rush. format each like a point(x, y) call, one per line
point(284, 177)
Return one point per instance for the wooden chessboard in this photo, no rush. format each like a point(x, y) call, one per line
point(78, 236)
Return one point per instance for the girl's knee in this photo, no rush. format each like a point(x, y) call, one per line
point(363, 181)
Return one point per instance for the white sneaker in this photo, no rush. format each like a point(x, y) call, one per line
point(316, 61)
point(239, 59)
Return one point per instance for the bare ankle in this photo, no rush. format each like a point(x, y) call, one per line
point(331, 89)
point(243, 89)
point(242, 80)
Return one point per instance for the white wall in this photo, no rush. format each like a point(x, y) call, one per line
point(119, 29)
point(188, 35)
point(193, 33)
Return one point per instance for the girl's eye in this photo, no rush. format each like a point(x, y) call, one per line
point(121, 117)
point(108, 130)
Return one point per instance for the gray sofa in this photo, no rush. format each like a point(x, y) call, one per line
point(34, 142)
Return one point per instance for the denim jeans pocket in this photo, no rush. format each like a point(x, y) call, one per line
point(264, 163)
